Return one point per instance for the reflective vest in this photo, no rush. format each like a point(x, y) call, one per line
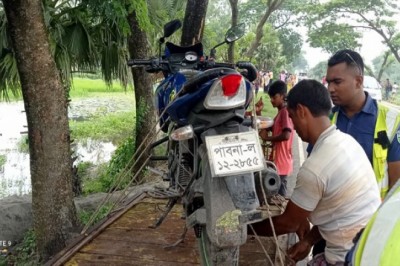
point(388, 120)
point(379, 243)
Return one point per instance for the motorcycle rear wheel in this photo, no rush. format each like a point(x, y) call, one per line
point(211, 255)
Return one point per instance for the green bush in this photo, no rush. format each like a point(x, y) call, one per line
point(3, 261)
point(3, 159)
point(395, 99)
point(108, 173)
point(25, 253)
point(94, 185)
point(84, 216)
point(118, 166)
point(23, 144)
point(83, 168)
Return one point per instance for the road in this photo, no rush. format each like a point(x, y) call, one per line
point(391, 105)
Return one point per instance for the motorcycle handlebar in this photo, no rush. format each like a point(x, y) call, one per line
point(157, 63)
point(227, 65)
point(137, 62)
point(251, 69)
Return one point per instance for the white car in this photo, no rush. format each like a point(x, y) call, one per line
point(372, 86)
point(301, 76)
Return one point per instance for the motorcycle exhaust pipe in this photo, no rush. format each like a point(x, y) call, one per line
point(270, 181)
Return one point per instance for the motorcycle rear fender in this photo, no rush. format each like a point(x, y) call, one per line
point(226, 199)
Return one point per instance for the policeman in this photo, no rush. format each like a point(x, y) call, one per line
point(373, 125)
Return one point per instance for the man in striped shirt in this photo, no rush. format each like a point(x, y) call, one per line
point(336, 188)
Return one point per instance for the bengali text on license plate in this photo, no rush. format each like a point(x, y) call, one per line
point(234, 154)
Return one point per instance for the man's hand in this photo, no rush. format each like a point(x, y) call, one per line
point(300, 250)
point(265, 134)
point(304, 229)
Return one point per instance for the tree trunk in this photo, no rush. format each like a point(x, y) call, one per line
point(54, 213)
point(235, 17)
point(138, 49)
point(385, 64)
point(272, 5)
point(193, 24)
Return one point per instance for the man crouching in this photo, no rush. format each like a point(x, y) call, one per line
point(336, 188)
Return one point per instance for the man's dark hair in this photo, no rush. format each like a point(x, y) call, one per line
point(276, 87)
point(311, 94)
point(350, 57)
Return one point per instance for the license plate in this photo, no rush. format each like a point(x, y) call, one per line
point(235, 154)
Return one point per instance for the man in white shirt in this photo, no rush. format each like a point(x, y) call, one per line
point(395, 88)
point(336, 189)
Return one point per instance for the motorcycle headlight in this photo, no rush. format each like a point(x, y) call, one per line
point(182, 133)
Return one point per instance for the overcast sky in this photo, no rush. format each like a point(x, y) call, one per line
point(371, 48)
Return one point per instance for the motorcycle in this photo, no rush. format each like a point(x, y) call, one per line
point(213, 152)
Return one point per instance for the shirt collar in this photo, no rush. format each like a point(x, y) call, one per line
point(368, 108)
point(327, 132)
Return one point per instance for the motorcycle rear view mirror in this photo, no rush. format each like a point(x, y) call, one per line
point(171, 27)
point(235, 33)
point(231, 35)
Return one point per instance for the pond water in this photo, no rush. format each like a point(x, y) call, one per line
point(14, 165)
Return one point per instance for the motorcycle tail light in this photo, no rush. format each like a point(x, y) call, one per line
point(226, 93)
point(182, 133)
point(231, 84)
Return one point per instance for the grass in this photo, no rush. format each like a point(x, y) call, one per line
point(395, 99)
point(3, 159)
point(268, 109)
point(86, 88)
point(114, 127)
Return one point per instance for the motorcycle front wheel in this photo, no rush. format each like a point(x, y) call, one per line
point(211, 255)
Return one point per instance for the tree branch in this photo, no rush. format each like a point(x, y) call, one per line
point(371, 26)
point(272, 5)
